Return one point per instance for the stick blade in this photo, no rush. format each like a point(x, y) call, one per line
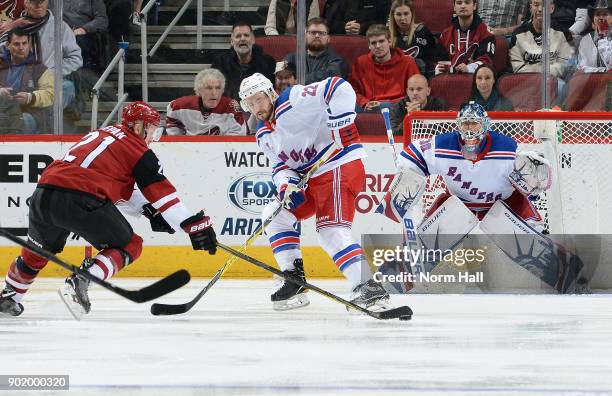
point(170, 309)
point(401, 313)
point(162, 287)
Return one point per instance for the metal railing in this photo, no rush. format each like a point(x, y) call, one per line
point(145, 55)
point(119, 60)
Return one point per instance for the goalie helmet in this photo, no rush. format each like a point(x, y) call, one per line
point(473, 122)
point(254, 84)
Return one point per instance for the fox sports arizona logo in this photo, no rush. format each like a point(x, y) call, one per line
point(252, 192)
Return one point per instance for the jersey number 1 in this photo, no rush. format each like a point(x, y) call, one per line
point(107, 141)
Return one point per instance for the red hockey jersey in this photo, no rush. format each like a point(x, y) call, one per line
point(107, 163)
point(475, 44)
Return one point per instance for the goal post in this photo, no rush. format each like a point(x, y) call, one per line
point(579, 145)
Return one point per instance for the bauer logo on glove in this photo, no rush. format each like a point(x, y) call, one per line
point(532, 173)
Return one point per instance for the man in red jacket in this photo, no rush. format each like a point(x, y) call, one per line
point(467, 41)
point(78, 194)
point(379, 77)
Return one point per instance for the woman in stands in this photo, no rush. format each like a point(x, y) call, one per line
point(484, 90)
point(412, 37)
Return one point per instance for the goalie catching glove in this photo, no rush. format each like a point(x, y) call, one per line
point(532, 173)
point(158, 223)
point(201, 233)
point(290, 195)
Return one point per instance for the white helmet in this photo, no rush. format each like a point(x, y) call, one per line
point(254, 84)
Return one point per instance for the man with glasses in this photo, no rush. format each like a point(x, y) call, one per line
point(321, 60)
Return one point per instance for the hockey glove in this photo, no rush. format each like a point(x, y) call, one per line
point(201, 233)
point(532, 173)
point(290, 195)
point(158, 223)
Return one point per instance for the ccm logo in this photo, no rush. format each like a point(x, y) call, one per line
point(199, 227)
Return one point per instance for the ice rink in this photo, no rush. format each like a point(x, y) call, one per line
point(233, 343)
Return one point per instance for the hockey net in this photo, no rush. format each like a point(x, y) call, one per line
point(579, 202)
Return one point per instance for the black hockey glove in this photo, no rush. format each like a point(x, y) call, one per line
point(158, 223)
point(201, 233)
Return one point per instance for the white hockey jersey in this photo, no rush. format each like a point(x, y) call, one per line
point(477, 183)
point(306, 120)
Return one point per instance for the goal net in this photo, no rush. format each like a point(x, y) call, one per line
point(580, 199)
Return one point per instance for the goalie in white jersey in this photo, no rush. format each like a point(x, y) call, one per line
point(485, 172)
point(480, 166)
point(295, 129)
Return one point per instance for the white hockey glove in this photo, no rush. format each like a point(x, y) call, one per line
point(532, 173)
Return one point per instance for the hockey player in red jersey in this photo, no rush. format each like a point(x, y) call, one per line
point(78, 193)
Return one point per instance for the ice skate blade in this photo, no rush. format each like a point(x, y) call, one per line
point(68, 298)
point(295, 302)
point(378, 306)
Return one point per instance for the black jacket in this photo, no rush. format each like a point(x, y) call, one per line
point(398, 112)
point(326, 64)
point(368, 12)
point(429, 51)
point(227, 62)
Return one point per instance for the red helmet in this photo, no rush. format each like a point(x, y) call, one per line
point(137, 111)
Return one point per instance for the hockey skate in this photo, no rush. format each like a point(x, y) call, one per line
point(290, 295)
point(74, 293)
point(8, 306)
point(370, 294)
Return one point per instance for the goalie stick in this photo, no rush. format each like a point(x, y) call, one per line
point(176, 309)
point(402, 313)
point(148, 293)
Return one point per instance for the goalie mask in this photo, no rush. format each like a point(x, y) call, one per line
point(473, 123)
point(252, 85)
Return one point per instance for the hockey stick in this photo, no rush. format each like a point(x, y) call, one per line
point(402, 313)
point(151, 292)
point(175, 309)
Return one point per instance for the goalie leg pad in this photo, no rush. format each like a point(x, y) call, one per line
point(538, 254)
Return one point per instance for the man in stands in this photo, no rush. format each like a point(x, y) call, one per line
point(207, 112)
point(380, 77)
point(468, 42)
point(242, 60)
point(321, 60)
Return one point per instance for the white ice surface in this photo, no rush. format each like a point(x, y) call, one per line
point(232, 343)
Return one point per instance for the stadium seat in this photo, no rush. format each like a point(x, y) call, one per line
point(501, 60)
point(370, 124)
point(435, 14)
point(587, 91)
point(525, 90)
point(277, 46)
point(350, 47)
point(454, 89)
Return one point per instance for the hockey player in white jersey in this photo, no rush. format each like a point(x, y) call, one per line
point(295, 128)
point(487, 173)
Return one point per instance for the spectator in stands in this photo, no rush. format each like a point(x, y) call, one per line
point(526, 45)
point(9, 10)
point(380, 77)
point(468, 42)
point(503, 16)
point(334, 13)
point(284, 77)
point(361, 14)
point(39, 22)
point(243, 60)
point(321, 60)
point(136, 18)
point(207, 112)
point(282, 16)
point(87, 19)
point(417, 99)
point(485, 93)
point(595, 50)
point(412, 37)
point(26, 87)
point(119, 12)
